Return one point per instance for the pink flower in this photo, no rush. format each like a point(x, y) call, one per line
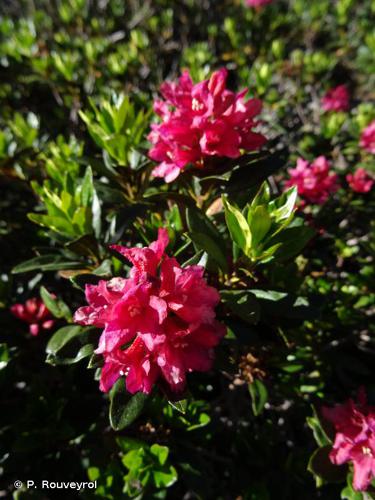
point(257, 3)
point(367, 140)
point(200, 121)
point(336, 99)
point(35, 313)
point(355, 438)
point(314, 180)
point(360, 181)
point(158, 324)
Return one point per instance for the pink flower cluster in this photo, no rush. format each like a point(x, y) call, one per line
point(257, 3)
point(158, 324)
point(367, 140)
point(315, 182)
point(35, 313)
point(336, 99)
point(360, 181)
point(200, 121)
point(355, 439)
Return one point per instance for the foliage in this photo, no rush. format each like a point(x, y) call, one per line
point(77, 85)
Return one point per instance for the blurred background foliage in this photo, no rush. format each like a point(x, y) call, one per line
point(77, 80)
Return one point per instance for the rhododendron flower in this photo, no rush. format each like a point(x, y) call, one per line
point(367, 140)
point(199, 121)
point(336, 99)
point(314, 181)
point(257, 3)
point(35, 313)
point(158, 324)
point(355, 438)
point(360, 181)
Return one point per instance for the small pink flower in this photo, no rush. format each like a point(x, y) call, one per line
point(355, 439)
point(257, 3)
point(35, 313)
point(367, 140)
point(315, 182)
point(360, 181)
point(159, 323)
point(336, 99)
point(200, 121)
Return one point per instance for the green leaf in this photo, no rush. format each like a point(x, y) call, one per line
point(198, 222)
point(204, 420)
point(268, 254)
point(95, 361)
point(70, 344)
point(288, 305)
point(124, 407)
point(180, 406)
point(291, 240)
point(206, 236)
point(160, 452)
point(253, 172)
point(260, 222)
point(319, 434)
point(84, 352)
point(349, 493)
point(62, 337)
point(4, 356)
point(96, 215)
point(200, 258)
point(243, 304)
point(53, 222)
point(56, 306)
point(133, 460)
point(165, 478)
point(323, 430)
point(282, 208)
point(259, 396)
point(87, 188)
point(262, 197)
point(323, 469)
point(238, 227)
point(204, 242)
point(51, 262)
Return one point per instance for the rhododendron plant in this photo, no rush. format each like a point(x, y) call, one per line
point(367, 140)
point(360, 181)
point(336, 99)
point(355, 438)
point(200, 121)
point(35, 313)
point(186, 362)
point(315, 181)
point(158, 324)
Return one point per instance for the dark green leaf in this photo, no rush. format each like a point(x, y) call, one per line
point(324, 470)
point(242, 303)
point(292, 239)
point(287, 305)
point(256, 171)
point(46, 263)
point(70, 344)
point(124, 407)
point(84, 352)
point(55, 305)
point(204, 242)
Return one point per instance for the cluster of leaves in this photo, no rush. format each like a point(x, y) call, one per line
point(76, 89)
